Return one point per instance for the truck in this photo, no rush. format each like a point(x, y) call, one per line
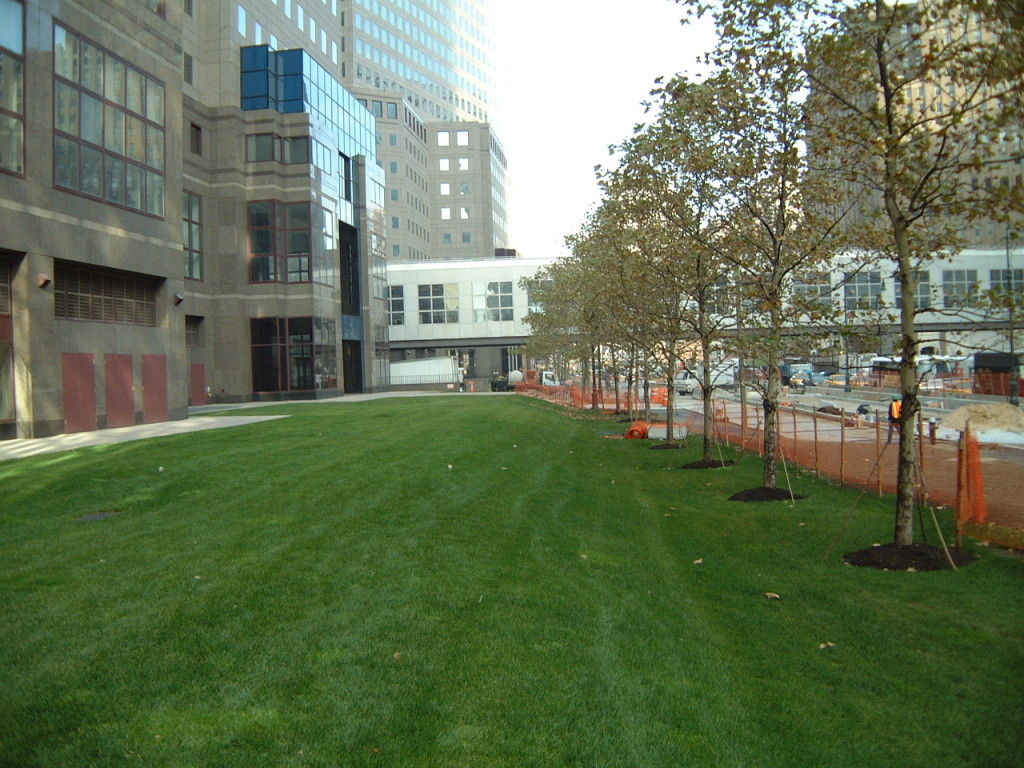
point(723, 375)
point(433, 372)
point(502, 383)
point(544, 378)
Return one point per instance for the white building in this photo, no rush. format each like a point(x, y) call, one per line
point(475, 310)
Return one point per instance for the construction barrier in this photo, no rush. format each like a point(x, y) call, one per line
point(988, 495)
point(851, 448)
point(638, 430)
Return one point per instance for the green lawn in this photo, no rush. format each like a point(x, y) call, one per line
point(476, 581)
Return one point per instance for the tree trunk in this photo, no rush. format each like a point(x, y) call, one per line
point(707, 393)
point(771, 420)
point(906, 472)
point(670, 397)
point(615, 380)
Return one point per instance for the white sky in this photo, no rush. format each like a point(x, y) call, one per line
point(572, 78)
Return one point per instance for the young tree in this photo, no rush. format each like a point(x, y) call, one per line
point(906, 108)
point(784, 216)
point(925, 94)
point(666, 185)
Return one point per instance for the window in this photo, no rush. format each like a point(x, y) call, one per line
point(394, 222)
point(1007, 281)
point(463, 213)
point(446, 214)
point(189, 9)
point(6, 345)
point(863, 290)
point(293, 354)
point(195, 139)
point(444, 164)
point(188, 73)
point(924, 291)
point(462, 138)
point(463, 189)
point(492, 302)
point(299, 237)
point(439, 303)
point(958, 286)
point(102, 296)
point(463, 163)
point(260, 147)
point(444, 139)
point(296, 150)
point(12, 87)
point(812, 291)
point(192, 235)
point(297, 242)
point(193, 331)
point(446, 238)
point(108, 123)
point(392, 110)
point(241, 21)
point(263, 223)
point(396, 305)
point(446, 189)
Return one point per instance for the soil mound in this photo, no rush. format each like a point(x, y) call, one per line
point(917, 557)
point(765, 494)
point(986, 416)
point(713, 464)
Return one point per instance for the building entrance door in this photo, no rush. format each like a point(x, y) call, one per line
point(352, 354)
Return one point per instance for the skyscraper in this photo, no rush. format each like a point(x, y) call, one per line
point(425, 70)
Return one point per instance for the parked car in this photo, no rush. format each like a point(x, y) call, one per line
point(800, 379)
point(803, 379)
point(837, 380)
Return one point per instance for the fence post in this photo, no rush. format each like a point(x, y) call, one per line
point(792, 409)
point(961, 475)
point(842, 448)
point(814, 421)
point(878, 452)
point(743, 424)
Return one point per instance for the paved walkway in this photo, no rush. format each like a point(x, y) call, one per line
point(19, 449)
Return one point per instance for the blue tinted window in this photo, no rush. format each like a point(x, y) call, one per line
point(254, 84)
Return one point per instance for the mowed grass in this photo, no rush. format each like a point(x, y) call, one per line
point(477, 581)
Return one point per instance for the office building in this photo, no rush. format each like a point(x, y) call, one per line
point(425, 70)
point(197, 218)
point(214, 190)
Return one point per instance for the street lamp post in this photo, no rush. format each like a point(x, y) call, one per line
point(847, 386)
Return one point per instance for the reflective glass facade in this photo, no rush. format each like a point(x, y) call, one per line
point(292, 81)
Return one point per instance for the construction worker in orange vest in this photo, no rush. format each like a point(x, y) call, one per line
point(895, 410)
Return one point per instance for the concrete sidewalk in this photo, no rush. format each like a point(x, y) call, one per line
point(20, 448)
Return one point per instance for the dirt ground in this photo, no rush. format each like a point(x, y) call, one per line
point(856, 454)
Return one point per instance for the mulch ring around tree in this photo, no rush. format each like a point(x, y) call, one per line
point(913, 557)
point(712, 464)
point(765, 494)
